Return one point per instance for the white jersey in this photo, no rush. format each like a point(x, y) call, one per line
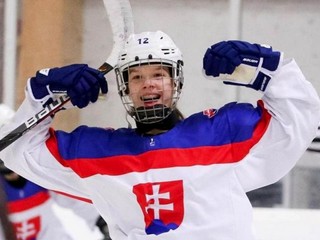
point(188, 183)
point(39, 222)
point(31, 212)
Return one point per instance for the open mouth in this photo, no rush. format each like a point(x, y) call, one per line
point(152, 98)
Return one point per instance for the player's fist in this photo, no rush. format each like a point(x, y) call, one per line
point(225, 56)
point(81, 83)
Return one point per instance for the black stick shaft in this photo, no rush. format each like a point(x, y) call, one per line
point(47, 111)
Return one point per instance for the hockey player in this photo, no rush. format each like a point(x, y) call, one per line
point(31, 206)
point(31, 209)
point(170, 178)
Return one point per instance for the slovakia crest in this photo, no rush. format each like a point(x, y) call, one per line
point(209, 112)
point(28, 230)
point(161, 204)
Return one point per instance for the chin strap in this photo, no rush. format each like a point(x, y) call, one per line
point(166, 124)
point(150, 115)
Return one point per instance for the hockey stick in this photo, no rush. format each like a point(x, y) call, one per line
point(120, 17)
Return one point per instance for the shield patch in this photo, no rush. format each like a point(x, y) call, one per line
point(162, 205)
point(28, 230)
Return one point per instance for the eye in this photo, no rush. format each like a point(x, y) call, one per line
point(135, 77)
point(158, 75)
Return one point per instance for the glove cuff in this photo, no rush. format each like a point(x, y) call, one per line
point(267, 70)
point(272, 61)
point(261, 82)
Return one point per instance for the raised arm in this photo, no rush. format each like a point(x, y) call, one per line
point(289, 99)
point(28, 156)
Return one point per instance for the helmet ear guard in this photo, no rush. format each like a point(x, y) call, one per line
point(179, 71)
point(149, 48)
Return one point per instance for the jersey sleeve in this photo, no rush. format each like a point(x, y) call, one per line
point(294, 107)
point(29, 157)
point(82, 209)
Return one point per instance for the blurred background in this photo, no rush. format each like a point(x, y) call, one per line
point(36, 34)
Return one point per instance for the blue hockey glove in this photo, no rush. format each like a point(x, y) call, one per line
point(225, 56)
point(81, 83)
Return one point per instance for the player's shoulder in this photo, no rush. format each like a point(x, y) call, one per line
point(236, 107)
point(227, 109)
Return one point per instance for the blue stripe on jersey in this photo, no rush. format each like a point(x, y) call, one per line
point(232, 123)
point(19, 193)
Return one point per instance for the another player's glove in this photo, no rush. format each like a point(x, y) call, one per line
point(225, 56)
point(81, 83)
point(103, 227)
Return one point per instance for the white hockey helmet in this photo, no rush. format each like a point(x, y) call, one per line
point(6, 114)
point(149, 48)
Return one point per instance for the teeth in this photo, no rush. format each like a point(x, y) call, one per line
point(150, 97)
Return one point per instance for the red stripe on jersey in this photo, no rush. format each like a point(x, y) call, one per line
point(74, 197)
point(53, 147)
point(163, 158)
point(28, 203)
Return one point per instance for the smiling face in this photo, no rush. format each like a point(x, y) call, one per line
point(150, 85)
point(149, 75)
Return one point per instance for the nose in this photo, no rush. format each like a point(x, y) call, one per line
point(149, 82)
